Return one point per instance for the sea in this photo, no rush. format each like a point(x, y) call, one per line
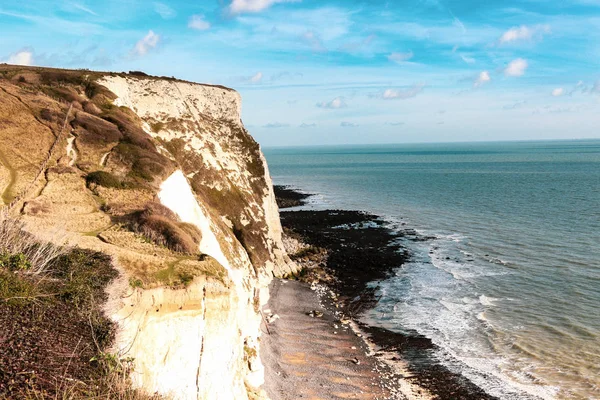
point(507, 279)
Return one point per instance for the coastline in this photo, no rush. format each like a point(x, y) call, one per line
point(349, 251)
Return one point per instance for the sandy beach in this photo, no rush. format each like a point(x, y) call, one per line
point(316, 357)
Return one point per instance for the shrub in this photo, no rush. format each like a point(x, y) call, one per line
point(157, 126)
point(165, 232)
point(47, 115)
point(15, 289)
point(157, 210)
point(96, 130)
point(138, 73)
point(98, 92)
point(160, 225)
point(14, 262)
point(65, 93)
point(145, 164)
point(62, 78)
point(104, 179)
point(22, 79)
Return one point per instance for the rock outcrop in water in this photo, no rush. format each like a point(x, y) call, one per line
point(161, 175)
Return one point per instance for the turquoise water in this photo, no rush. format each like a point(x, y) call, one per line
point(510, 286)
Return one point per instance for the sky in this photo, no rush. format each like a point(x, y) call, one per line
point(315, 72)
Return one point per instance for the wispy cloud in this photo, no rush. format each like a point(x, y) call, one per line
point(482, 78)
point(315, 42)
point(347, 124)
point(516, 68)
point(253, 6)
point(400, 94)
point(524, 32)
point(467, 59)
point(198, 23)
point(334, 104)
point(305, 125)
point(147, 43)
point(400, 58)
point(275, 125)
point(164, 10)
point(84, 8)
point(256, 78)
point(63, 26)
point(357, 45)
point(558, 92)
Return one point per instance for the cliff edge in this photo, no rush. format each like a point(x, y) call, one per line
point(162, 176)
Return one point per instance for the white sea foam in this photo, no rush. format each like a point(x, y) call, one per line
point(487, 301)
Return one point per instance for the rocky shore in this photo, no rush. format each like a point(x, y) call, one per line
point(349, 251)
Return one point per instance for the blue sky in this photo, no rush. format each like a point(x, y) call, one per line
point(328, 72)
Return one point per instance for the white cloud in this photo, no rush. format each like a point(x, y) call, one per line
point(399, 58)
point(558, 92)
point(346, 124)
point(467, 59)
point(596, 87)
point(242, 6)
point(516, 67)
point(83, 8)
point(164, 10)
point(305, 125)
point(392, 94)
point(334, 104)
point(482, 78)
point(22, 57)
point(524, 32)
point(395, 123)
point(198, 22)
point(149, 42)
point(256, 78)
point(276, 125)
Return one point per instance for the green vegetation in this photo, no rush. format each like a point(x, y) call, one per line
point(178, 273)
point(53, 331)
point(174, 278)
point(145, 165)
point(157, 126)
point(14, 288)
point(104, 179)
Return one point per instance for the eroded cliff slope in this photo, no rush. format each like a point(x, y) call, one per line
point(161, 175)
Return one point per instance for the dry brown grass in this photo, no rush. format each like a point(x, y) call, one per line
point(14, 239)
point(160, 225)
point(96, 131)
point(115, 385)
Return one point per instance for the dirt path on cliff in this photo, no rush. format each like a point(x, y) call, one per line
point(314, 358)
point(7, 190)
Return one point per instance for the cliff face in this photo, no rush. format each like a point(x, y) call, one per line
point(162, 175)
point(200, 127)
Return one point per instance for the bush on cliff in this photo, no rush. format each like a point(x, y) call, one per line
point(104, 179)
point(160, 225)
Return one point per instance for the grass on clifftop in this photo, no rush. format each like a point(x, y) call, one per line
point(53, 334)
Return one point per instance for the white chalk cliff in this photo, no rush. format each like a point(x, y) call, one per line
point(202, 341)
